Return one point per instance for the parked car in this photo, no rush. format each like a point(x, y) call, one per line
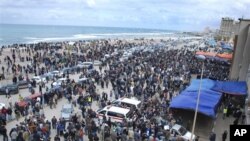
point(13, 89)
point(97, 63)
point(116, 114)
point(178, 130)
point(56, 73)
point(31, 97)
point(59, 82)
point(39, 79)
point(67, 70)
point(23, 84)
point(48, 76)
point(127, 102)
point(2, 105)
point(86, 65)
point(67, 111)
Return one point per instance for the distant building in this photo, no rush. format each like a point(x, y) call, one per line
point(226, 28)
point(236, 27)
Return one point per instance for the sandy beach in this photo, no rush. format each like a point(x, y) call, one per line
point(174, 43)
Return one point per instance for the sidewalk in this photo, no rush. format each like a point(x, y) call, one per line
point(220, 125)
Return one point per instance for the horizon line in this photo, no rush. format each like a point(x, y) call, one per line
point(143, 28)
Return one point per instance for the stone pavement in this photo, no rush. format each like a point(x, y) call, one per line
point(220, 125)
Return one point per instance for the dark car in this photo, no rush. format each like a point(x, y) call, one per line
point(22, 84)
point(13, 89)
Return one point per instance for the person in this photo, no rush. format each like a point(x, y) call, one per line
point(197, 138)
point(10, 101)
point(3, 131)
point(212, 136)
point(7, 92)
point(236, 121)
point(243, 119)
point(224, 135)
point(224, 112)
point(54, 121)
point(57, 138)
point(20, 137)
point(13, 134)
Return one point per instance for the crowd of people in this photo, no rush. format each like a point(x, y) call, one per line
point(154, 77)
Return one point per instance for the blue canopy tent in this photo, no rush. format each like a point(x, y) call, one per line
point(212, 43)
point(208, 101)
point(231, 87)
point(207, 84)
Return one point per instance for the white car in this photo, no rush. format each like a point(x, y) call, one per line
point(84, 64)
point(59, 82)
point(39, 79)
point(178, 130)
point(67, 111)
point(97, 63)
point(56, 73)
point(116, 114)
point(2, 105)
point(127, 102)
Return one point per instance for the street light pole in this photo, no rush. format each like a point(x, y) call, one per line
point(197, 102)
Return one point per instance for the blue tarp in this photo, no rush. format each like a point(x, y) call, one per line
point(207, 84)
point(212, 42)
point(231, 87)
point(208, 101)
point(227, 46)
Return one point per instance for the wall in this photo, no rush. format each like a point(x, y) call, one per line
point(239, 49)
point(245, 59)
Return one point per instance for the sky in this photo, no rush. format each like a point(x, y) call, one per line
point(182, 15)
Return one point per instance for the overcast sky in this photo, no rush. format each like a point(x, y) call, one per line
point(158, 14)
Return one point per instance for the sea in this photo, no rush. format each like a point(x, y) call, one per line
point(29, 34)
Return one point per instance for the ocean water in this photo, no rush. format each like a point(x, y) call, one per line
point(12, 34)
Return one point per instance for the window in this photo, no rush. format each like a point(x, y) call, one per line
point(129, 114)
point(115, 114)
point(102, 112)
point(182, 131)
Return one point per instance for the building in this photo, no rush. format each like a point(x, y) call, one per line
point(241, 58)
point(240, 68)
point(226, 28)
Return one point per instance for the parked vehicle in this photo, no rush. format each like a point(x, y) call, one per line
point(86, 65)
point(59, 82)
point(127, 102)
point(178, 130)
point(97, 63)
point(56, 73)
point(13, 89)
point(67, 71)
point(2, 105)
point(67, 111)
point(23, 84)
point(39, 79)
point(116, 114)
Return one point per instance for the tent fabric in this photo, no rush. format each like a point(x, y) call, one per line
point(225, 56)
point(212, 42)
point(231, 87)
point(211, 54)
point(207, 84)
point(208, 101)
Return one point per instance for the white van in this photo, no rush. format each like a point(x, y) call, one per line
point(127, 102)
point(116, 114)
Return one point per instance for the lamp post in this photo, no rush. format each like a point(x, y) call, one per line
point(201, 57)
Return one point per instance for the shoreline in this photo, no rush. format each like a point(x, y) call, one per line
point(80, 38)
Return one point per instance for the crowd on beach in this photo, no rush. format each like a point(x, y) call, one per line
point(154, 76)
